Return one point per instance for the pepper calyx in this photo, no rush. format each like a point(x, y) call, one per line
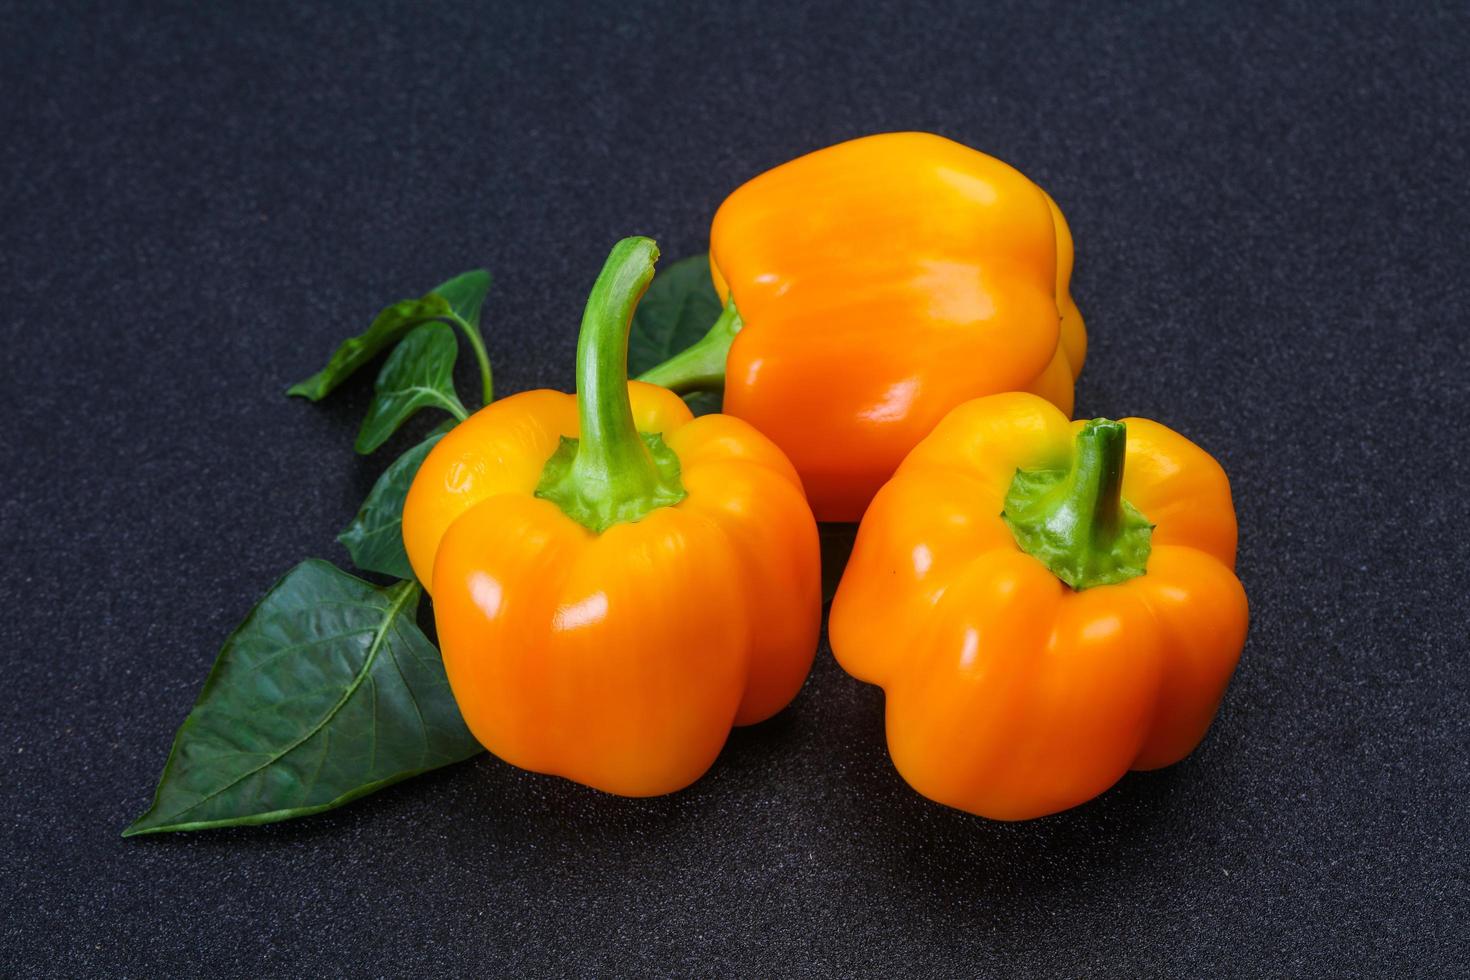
point(558, 486)
point(1075, 520)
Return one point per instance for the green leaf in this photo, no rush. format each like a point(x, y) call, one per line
point(704, 402)
point(387, 329)
point(675, 313)
point(419, 373)
point(460, 300)
point(328, 691)
point(374, 539)
point(465, 294)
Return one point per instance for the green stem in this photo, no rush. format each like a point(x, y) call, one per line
point(700, 367)
point(612, 473)
point(454, 406)
point(477, 344)
point(612, 455)
point(1091, 506)
point(1075, 521)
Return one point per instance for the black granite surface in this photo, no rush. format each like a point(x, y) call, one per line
point(1270, 206)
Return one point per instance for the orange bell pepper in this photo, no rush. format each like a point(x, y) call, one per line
point(1047, 604)
point(871, 287)
point(615, 583)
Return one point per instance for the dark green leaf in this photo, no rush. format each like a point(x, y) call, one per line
point(461, 297)
point(837, 541)
point(374, 539)
point(387, 329)
point(465, 295)
point(704, 402)
point(419, 373)
point(328, 691)
point(679, 308)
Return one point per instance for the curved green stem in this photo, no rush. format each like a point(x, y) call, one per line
point(612, 473)
point(1075, 521)
point(477, 344)
point(700, 367)
point(611, 452)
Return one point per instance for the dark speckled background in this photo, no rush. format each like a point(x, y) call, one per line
point(1270, 206)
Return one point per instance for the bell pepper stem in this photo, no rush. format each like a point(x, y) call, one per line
point(611, 457)
point(1075, 521)
point(611, 473)
point(701, 366)
point(1092, 500)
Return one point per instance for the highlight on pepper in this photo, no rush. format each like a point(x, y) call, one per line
point(1046, 604)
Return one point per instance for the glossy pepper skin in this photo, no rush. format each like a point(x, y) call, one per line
point(1009, 693)
point(618, 656)
point(880, 283)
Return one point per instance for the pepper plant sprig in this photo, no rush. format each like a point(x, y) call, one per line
point(328, 690)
